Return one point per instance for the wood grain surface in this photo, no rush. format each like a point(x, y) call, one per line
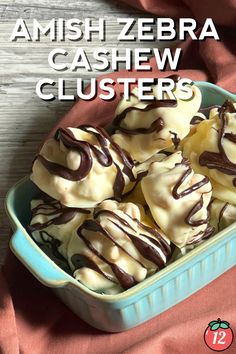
point(24, 117)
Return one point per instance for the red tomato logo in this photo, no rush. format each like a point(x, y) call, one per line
point(218, 336)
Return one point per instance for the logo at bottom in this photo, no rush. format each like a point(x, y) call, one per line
point(218, 335)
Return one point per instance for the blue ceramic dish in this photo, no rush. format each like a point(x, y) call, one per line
point(115, 313)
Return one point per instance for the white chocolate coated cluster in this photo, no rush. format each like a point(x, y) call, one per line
point(211, 151)
point(81, 167)
point(178, 199)
point(145, 128)
point(54, 223)
point(116, 249)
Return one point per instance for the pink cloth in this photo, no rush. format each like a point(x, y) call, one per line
point(34, 321)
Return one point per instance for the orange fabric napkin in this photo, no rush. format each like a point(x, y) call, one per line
point(34, 321)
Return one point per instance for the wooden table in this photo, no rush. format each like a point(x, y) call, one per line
point(24, 117)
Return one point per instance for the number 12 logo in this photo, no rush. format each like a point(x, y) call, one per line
point(218, 335)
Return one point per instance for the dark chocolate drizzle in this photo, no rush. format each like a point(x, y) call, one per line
point(102, 155)
point(125, 279)
point(196, 120)
point(219, 160)
point(53, 242)
point(138, 179)
point(206, 110)
point(202, 235)
point(189, 218)
point(221, 214)
point(58, 214)
point(197, 207)
point(156, 126)
point(208, 232)
point(146, 249)
point(181, 180)
point(175, 139)
point(49, 245)
point(231, 137)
